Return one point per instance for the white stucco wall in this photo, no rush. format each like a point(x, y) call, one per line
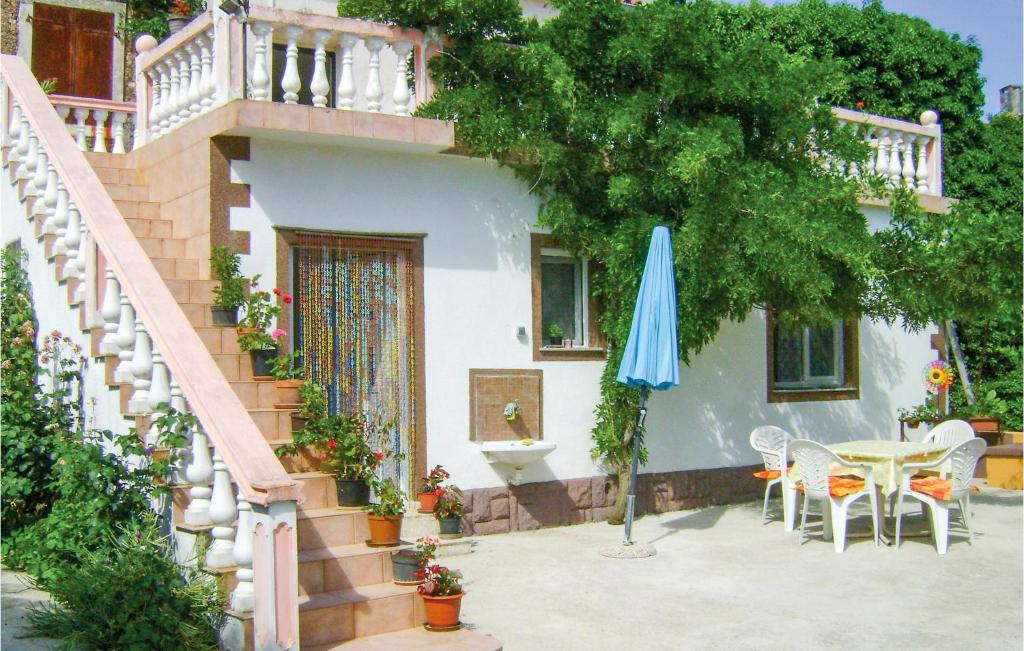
point(477, 218)
point(102, 405)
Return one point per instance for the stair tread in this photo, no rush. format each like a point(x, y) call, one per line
point(354, 595)
point(346, 551)
point(415, 639)
point(328, 511)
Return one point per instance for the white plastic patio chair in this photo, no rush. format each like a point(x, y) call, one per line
point(771, 441)
point(813, 460)
point(939, 494)
point(950, 432)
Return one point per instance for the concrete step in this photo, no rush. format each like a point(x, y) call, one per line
point(127, 192)
point(318, 491)
point(341, 615)
point(235, 366)
point(305, 461)
point(415, 639)
point(219, 339)
point(116, 161)
point(331, 527)
point(344, 567)
point(255, 395)
point(141, 210)
point(276, 427)
point(145, 227)
point(178, 268)
point(163, 247)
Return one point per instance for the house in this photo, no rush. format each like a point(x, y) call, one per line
point(424, 290)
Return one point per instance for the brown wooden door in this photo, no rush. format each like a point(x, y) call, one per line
point(75, 46)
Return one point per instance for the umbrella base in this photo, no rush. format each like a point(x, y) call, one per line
point(631, 550)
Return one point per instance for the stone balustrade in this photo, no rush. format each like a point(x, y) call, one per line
point(280, 56)
point(907, 154)
point(97, 124)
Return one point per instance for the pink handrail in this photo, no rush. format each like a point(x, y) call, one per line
point(252, 463)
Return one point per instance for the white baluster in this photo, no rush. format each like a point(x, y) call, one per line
point(194, 78)
point(72, 234)
point(882, 161)
point(853, 171)
point(17, 135)
point(142, 367)
point(199, 473)
point(27, 168)
point(110, 310)
point(908, 160)
point(222, 513)
point(347, 83)
point(60, 212)
point(60, 229)
point(243, 596)
point(921, 174)
point(184, 74)
point(99, 131)
point(83, 238)
point(154, 108)
point(160, 385)
point(51, 191)
point(260, 69)
point(895, 167)
point(319, 85)
point(290, 82)
point(125, 339)
point(63, 111)
point(81, 130)
point(206, 85)
point(172, 97)
point(5, 137)
point(167, 94)
point(374, 92)
point(43, 174)
point(117, 121)
point(180, 456)
point(402, 93)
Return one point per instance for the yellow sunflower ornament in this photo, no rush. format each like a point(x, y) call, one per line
point(938, 376)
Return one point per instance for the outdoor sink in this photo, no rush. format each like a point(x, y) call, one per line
point(515, 454)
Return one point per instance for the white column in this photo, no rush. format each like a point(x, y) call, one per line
point(921, 174)
point(110, 310)
point(27, 168)
point(319, 85)
point(63, 111)
point(199, 473)
point(206, 86)
point(194, 78)
point(80, 263)
point(184, 75)
point(347, 82)
point(402, 93)
point(260, 69)
point(17, 135)
point(125, 339)
point(72, 238)
point(142, 368)
point(160, 385)
point(374, 92)
point(99, 131)
point(117, 121)
point(60, 211)
point(49, 198)
point(882, 160)
point(180, 456)
point(895, 167)
point(222, 514)
point(242, 599)
point(908, 160)
point(81, 130)
point(290, 81)
point(38, 183)
point(171, 105)
point(166, 96)
point(60, 225)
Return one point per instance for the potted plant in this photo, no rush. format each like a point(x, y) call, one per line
point(260, 310)
point(430, 488)
point(407, 565)
point(385, 515)
point(287, 373)
point(985, 415)
point(442, 594)
point(231, 293)
point(449, 510)
point(312, 404)
point(180, 14)
point(555, 334)
point(926, 413)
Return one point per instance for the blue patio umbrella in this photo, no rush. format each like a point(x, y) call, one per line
point(650, 359)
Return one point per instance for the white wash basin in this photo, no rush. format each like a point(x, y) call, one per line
point(515, 454)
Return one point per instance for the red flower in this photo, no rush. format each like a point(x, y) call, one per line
point(438, 491)
point(287, 299)
point(277, 291)
point(379, 456)
point(331, 444)
point(859, 105)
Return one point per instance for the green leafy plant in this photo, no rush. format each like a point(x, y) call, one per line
point(260, 310)
point(390, 501)
point(555, 331)
point(313, 400)
point(449, 503)
point(225, 266)
point(987, 404)
point(129, 593)
point(924, 413)
point(439, 581)
point(150, 16)
point(287, 366)
point(426, 547)
point(432, 482)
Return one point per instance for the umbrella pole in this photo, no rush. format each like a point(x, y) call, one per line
point(641, 414)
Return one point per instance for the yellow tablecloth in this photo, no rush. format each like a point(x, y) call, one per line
point(886, 458)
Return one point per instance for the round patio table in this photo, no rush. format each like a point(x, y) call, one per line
point(886, 458)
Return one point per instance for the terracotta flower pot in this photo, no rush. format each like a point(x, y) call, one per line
point(385, 530)
point(443, 612)
point(427, 502)
point(287, 394)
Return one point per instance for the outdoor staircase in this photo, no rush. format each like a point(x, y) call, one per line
point(346, 595)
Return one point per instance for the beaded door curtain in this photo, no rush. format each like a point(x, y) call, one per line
point(355, 321)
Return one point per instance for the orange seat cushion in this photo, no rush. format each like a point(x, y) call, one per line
point(770, 474)
point(839, 486)
point(940, 489)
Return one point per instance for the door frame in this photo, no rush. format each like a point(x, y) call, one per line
point(287, 237)
point(26, 11)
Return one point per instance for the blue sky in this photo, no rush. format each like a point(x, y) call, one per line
point(995, 24)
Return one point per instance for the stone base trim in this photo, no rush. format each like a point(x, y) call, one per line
point(590, 499)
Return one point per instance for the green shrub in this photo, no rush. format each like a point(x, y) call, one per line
point(130, 593)
point(225, 265)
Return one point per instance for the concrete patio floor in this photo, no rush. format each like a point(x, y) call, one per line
point(722, 580)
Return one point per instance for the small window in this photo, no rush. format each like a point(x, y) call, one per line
point(812, 363)
point(561, 297)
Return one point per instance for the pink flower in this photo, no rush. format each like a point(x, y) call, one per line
point(278, 334)
point(287, 299)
